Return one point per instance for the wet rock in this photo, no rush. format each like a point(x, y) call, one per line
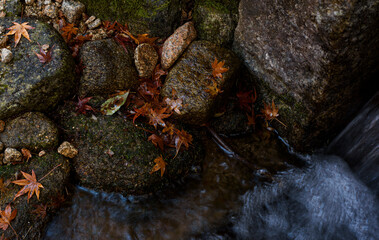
point(95, 24)
point(157, 18)
point(313, 59)
point(67, 150)
point(32, 130)
point(51, 11)
point(73, 10)
point(11, 155)
point(3, 40)
point(191, 75)
point(6, 55)
point(145, 59)
point(115, 156)
point(26, 223)
point(175, 45)
point(11, 7)
point(106, 68)
point(28, 85)
point(215, 21)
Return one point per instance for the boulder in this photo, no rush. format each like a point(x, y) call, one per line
point(28, 85)
point(312, 59)
point(191, 76)
point(158, 18)
point(106, 68)
point(33, 131)
point(145, 59)
point(216, 20)
point(27, 223)
point(11, 8)
point(116, 156)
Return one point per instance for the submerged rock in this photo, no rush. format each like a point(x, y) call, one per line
point(32, 130)
point(27, 223)
point(28, 85)
point(107, 68)
point(190, 77)
point(313, 59)
point(116, 156)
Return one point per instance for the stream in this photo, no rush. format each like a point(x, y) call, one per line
point(321, 199)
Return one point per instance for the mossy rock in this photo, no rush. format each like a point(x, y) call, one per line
point(156, 17)
point(27, 224)
point(115, 155)
point(28, 85)
point(12, 8)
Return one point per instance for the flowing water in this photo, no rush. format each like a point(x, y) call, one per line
point(323, 199)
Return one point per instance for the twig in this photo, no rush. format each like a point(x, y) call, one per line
point(50, 172)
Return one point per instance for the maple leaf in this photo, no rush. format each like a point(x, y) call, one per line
point(160, 164)
point(213, 89)
point(247, 99)
point(174, 105)
point(82, 107)
point(40, 211)
point(157, 141)
point(43, 56)
point(18, 30)
point(6, 217)
point(69, 31)
point(156, 117)
point(182, 137)
point(218, 68)
point(30, 185)
point(4, 185)
point(170, 129)
point(251, 119)
point(26, 154)
point(270, 112)
point(144, 38)
point(142, 111)
point(149, 89)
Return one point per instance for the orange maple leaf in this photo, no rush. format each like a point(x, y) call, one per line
point(144, 38)
point(68, 31)
point(18, 30)
point(6, 217)
point(182, 137)
point(157, 141)
point(26, 154)
point(271, 112)
point(160, 164)
point(218, 68)
point(30, 185)
point(156, 117)
point(213, 89)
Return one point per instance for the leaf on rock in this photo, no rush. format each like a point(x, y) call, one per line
point(6, 217)
point(113, 104)
point(69, 31)
point(160, 164)
point(270, 112)
point(213, 89)
point(182, 137)
point(82, 107)
point(247, 99)
point(26, 154)
point(156, 117)
point(218, 68)
point(40, 211)
point(157, 141)
point(30, 185)
point(43, 56)
point(18, 30)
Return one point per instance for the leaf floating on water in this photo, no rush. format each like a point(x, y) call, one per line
point(113, 104)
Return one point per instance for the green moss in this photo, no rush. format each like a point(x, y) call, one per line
point(225, 6)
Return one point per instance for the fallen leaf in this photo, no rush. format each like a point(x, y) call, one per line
point(247, 99)
point(69, 31)
point(144, 38)
point(113, 104)
point(26, 154)
point(2, 126)
point(270, 112)
point(40, 211)
point(174, 105)
point(142, 111)
point(182, 137)
point(6, 217)
point(218, 68)
point(157, 141)
point(43, 56)
point(18, 30)
point(213, 89)
point(156, 117)
point(30, 185)
point(160, 164)
point(82, 107)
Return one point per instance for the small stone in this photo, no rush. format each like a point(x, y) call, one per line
point(51, 11)
point(1, 146)
point(41, 153)
point(145, 59)
point(2, 126)
point(90, 19)
point(12, 155)
point(95, 24)
point(3, 41)
point(175, 45)
point(6, 55)
point(73, 10)
point(66, 149)
point(29, 2)
point(47, 2)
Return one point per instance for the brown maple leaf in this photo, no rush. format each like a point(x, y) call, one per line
point(170, 129)
point(213, 89)
point(40, 211)
point(144, 38)
point(157, 141)
point(18, 30)
point(182, 137)
point(247, 99)
point(43, 56)
point(69, 31)
point(142, 111)
point(218, 68)
point(30, 185)
point(270, 113)
point(160, 164)
point(4, 185)
point(82, 107)
point(26, 154)
point(174, 105)
point(156, 117)
point(6, 217)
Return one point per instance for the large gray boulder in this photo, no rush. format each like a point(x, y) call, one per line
point(25, 83)
point(312, 58)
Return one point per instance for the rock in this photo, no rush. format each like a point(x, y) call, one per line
point(73, 10)
point(313, 59)
point(11, 155)
point(90, 19)
point(1, 146)
point(28, 85)
point(6, 55)
point(29, 2)
point(215, 21)
point(190, 77)
point(42, 153)
point(26, 222)
point(157, 18)
point(175, 45)
point(95, 24)
point(3, 40)
point(107, 68)
point(68, 150)
point(32, 130)
point(51, 11)
point(115, 156)
point(145, 59)
point(11, 8)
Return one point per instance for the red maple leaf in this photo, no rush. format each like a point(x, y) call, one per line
point(82, 107)
point(156, 117)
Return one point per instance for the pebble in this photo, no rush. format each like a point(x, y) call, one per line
point(73, 10)
point(68, 150)
point(1, 146)
point(145, 59)
point(6, 55)
point(41, 153)
point(94, 24)
point(29, 2)
point(175, 45)
point(90, 19)
point(12, 155)
point(51, 11)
